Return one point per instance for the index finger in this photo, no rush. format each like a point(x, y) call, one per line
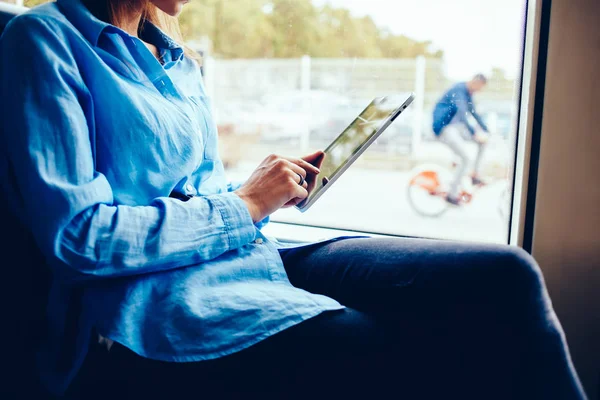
point(304, 164)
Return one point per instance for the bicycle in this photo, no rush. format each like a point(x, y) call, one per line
point(428, 187)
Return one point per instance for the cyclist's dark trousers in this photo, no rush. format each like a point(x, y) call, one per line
point(452, 136)
point(425, 320)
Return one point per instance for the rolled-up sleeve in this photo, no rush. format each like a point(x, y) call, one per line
point(69, 206)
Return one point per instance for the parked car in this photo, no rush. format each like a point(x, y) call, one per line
point(284, 116)
point(289, 115)
point(236, 118)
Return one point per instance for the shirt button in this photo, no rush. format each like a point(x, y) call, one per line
point(258, 241)
point(189, 187)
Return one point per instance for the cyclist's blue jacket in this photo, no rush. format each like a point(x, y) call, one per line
point(454, 107)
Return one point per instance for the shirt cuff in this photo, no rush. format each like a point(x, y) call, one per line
point(263, 223)
point(236, 219)
point(233, 186)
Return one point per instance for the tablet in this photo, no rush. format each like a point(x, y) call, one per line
point(352, 142)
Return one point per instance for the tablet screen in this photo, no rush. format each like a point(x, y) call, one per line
point(352, 140)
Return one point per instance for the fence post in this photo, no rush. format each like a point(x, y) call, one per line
point(305, 66)
point(418, 104)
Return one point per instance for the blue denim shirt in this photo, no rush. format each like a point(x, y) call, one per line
point(108, 137)
point(454, 108)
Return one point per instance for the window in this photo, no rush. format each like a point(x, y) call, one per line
point(287, 76)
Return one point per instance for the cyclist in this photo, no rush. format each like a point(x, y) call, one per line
point(451, 126)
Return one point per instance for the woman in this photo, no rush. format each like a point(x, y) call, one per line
point(162, 283)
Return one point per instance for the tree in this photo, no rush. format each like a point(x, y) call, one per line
point(342, 35)
point(237, 28)
point(33, 3)
point(292, 28)
point(294, 24)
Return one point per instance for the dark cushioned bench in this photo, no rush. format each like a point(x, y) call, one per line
point(21, 289)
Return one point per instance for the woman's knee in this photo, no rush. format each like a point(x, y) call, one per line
point(517, 283)
point(521, 269)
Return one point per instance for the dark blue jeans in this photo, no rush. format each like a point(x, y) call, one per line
point(425, 320)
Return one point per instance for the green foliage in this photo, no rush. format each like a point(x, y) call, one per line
point(237, 28)
point(33, 3)
point(292, 28)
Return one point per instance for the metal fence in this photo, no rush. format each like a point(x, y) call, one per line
point(237, 84)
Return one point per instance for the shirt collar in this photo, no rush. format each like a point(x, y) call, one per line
point(91, 28)
point(79, 15)
point(152, 34)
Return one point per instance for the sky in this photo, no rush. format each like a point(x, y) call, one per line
point(475, 35)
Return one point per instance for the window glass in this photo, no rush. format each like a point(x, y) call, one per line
point(287, 76)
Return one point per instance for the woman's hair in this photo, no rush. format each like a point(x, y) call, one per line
point(114, 12)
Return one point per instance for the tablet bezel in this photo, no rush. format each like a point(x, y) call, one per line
point(305, 205)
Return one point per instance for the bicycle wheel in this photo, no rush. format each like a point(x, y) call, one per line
point(424, 192)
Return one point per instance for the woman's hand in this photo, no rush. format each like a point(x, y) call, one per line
point(275, 184)
point(315, 159)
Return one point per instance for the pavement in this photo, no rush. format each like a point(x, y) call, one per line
point(375, 200)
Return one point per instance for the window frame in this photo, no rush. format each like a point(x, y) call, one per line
point(531, 105)
point(530, 93)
